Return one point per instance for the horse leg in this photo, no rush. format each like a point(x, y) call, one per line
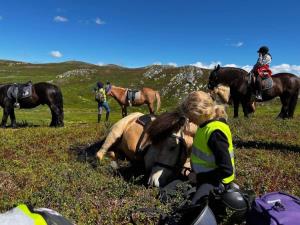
point(125, 111)
point(13, 118)
point(285, 106)
point(292, 105)
point(151, 108)
point(245, 109)
point(236, 103)
point(4, 117)
point(55, 113)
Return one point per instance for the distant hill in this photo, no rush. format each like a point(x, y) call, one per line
point(79, 78)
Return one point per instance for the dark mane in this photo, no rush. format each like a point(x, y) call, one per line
point(242, 71)
point(164, 125)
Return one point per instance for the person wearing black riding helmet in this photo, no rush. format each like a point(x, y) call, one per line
point(262, 64)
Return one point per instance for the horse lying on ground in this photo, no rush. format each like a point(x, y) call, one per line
point(164, 147)
point(126, 97)
point(26, 96)
point(285, 85)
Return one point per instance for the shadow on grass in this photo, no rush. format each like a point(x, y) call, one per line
point(134, 173)
point(264, 145)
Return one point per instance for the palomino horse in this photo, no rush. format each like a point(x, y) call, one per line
point(143, 96)
point(165, 145)
point(40, 93)
point(285, 85)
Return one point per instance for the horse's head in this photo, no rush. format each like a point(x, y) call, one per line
point(168, 159)
point(213, 79)
point(168, 152)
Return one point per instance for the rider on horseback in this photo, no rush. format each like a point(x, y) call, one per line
point(261, 69)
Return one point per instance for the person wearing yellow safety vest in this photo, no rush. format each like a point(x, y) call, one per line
point(212, 157)
point(23, 215)
point(102, 101)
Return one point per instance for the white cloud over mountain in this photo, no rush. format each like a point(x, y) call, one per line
point(295, 69)
point(56, 54)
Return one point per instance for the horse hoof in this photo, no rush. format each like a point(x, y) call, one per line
point(100, 155)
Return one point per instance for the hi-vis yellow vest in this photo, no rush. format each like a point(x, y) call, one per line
point(202, 158)
point(21, 215)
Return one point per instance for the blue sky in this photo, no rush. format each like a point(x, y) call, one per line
point(136, 33)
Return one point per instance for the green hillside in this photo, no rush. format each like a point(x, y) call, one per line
point(39, 165)
point(77, 80)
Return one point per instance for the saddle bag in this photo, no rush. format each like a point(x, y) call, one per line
point(275, 208)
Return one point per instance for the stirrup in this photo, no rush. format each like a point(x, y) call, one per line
point(258, 98)
point(17, 105)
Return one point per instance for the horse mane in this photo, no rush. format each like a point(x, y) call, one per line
point(164, 125)
point(235, 68)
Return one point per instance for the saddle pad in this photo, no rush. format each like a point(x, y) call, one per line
point(145, 119)
point(267, 83)
point(18, 91)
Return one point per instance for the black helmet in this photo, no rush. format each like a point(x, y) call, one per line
point(232, 204)
point(263, 50)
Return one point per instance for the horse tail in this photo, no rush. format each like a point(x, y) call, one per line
point(158, 102)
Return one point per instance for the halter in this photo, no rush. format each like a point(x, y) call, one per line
point(182, 152)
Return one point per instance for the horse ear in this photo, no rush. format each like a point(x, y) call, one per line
point(218, 67)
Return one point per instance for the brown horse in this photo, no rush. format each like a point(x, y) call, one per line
point(143, 96)
point(165, 145)
point(285, 85)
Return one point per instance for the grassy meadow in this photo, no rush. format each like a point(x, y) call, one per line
point(39, 166)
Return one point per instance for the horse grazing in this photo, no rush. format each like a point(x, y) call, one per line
point(163, 146)
point(285, 85)
point(126, 97)
point(27, 96)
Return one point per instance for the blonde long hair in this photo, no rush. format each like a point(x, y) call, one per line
point(199, 107)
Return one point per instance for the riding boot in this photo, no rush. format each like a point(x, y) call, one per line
point(258, 89)
point(99, 118)
point(107, 115)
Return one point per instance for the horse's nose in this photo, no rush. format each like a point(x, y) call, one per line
point(210, 86)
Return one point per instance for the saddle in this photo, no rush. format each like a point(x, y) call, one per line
point(132, 95)
point(20, 91)
point(267, 82)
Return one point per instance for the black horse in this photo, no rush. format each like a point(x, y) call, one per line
point(285, 85)
point(39, 93)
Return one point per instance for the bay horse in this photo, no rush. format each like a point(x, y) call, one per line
point(144, 96)
point(41, 93)
point(163, 147)
point(285, 85)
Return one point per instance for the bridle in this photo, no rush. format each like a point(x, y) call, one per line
point(183, 154)
point(212, 84)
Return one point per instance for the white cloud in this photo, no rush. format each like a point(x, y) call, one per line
point(99, 21)
point(172, 64)
point(206, 66)
point(157, 63)
point(230, 65)
point(56, 54)
point(238, 44)
point(60, 19)
point(295, 69)
point(286, 68)
point(100, 64)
